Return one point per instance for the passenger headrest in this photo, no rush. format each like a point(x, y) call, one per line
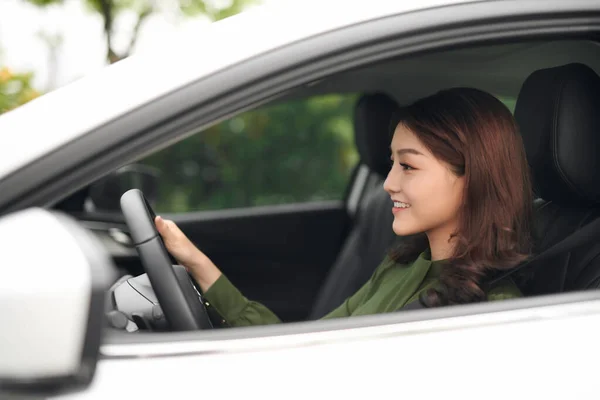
point(372, 117)
point(558, 112)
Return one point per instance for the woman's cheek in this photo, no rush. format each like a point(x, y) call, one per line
point(411, 188)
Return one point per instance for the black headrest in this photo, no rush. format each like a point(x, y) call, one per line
point(372, 117)
point(558, 112)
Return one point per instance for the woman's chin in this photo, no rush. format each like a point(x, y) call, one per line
point(403, 229)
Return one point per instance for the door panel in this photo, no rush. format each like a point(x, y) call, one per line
point(277, 255)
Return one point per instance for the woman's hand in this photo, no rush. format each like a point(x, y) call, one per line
point(187, 254)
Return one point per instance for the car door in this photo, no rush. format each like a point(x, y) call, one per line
point(263, 195)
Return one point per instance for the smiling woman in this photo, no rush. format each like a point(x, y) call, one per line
point(452, 155)
point(447, 150)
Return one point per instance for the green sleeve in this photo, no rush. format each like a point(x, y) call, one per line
point(235, 308)
point(505, 289)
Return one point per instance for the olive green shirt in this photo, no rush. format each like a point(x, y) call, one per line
point(390, 288)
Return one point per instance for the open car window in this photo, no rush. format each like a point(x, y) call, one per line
point(292, 152)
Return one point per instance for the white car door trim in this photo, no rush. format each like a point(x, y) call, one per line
point(198, 344)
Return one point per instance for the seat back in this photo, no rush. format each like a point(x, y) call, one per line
point(557, 113)
point(371, 234)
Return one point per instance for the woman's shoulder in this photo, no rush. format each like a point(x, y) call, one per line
point(504, 289)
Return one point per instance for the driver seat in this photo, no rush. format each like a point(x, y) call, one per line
point(558, 114)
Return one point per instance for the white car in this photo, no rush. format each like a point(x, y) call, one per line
point(81, 320)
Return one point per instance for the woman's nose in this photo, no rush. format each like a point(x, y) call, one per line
point(390, 184)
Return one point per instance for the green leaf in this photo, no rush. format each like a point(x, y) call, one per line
point(214, 13)
point(43, 3)
point(15, 89)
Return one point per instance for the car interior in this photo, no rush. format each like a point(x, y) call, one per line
point(303, 260)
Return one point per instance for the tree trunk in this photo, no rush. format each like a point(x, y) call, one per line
point(106, 9)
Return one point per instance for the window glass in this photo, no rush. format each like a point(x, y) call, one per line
point(291, 152)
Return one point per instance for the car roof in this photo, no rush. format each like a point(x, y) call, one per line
point(58, 117)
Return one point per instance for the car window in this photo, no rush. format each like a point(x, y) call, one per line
point(291, 152)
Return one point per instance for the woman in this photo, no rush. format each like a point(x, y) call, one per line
point(461, 196)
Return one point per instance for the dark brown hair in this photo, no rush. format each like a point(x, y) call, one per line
point(477, 136)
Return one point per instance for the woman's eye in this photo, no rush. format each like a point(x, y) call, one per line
point(406, 167)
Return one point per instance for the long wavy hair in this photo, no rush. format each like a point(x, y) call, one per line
point(477, 137)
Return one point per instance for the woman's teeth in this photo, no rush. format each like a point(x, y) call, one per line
point(399, 204)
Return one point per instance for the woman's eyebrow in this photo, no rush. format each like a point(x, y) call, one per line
point(400, 152)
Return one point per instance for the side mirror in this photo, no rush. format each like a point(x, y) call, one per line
point(53, 279)
point(105, 194)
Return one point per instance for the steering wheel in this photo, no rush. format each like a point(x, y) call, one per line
point(179, 299)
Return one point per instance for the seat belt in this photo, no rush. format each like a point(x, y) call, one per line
point(580, 237)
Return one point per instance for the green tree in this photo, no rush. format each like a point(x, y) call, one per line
point(109, 10)
point(295, 151)
point(15, 89)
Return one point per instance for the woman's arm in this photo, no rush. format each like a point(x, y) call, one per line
point(217, 289)
point(202, 269)
point(236, 309)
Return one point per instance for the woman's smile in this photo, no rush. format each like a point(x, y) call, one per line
point(399, 206)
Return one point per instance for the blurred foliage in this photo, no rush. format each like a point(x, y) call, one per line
point(206, 8)
point(109, 10)
point(297, 151)
point(15, 89)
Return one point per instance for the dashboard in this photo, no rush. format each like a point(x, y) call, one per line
point(115, 238)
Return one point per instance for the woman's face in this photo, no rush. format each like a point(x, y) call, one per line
point(427, 195)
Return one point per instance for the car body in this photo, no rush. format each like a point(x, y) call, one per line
point(67, 139)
